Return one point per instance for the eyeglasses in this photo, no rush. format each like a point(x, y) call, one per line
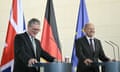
point(35, 29)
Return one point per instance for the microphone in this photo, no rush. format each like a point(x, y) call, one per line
point(117, 48)
point(113, 49)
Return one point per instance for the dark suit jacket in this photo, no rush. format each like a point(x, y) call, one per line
point(83, 51)
point(23, 51)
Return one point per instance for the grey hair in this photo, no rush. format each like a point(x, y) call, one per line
point(33, 21)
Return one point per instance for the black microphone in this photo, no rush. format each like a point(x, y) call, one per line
point(117, 48)
point(113, 49)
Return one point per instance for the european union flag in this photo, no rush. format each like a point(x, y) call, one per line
point(82, 20)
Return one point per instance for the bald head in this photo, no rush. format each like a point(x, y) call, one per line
point(89, 29)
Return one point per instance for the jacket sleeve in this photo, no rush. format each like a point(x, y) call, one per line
point(102, 55)
point(45, 55)
point(79, 51)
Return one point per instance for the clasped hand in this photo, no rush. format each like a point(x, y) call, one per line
point(88, 61)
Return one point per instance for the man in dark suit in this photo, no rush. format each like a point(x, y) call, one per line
point(27, 49)
point(89, 50)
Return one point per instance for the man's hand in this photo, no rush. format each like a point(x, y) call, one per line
point(32, 61)
point(88, 61)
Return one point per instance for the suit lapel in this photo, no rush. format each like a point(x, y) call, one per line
point(27, 39)
point(89, 50)
point(95, 43)
point(86, 42)
point(87, 46)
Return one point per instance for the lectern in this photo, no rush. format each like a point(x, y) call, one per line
point(111, 67)
point(54, 67)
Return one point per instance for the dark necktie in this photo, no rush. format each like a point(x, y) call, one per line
point(91, 45)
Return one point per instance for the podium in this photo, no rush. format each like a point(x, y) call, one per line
point(111, 67)
point(54, 67)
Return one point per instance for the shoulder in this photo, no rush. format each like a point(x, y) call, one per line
point(20, 35)
point(81, 38)
point(96, 39)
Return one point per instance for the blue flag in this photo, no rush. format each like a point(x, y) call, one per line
point(81, 21)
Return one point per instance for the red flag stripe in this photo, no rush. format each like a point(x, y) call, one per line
point(14, 9)
point(8, 52)
point(48, 42)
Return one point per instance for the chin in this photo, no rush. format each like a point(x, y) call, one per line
point(90, 35)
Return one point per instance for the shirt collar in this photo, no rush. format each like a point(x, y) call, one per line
point(89, 37)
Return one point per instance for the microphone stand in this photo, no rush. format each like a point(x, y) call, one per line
point(113, 48)
point(117, 48)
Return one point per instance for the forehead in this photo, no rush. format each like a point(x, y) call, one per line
point(89, 26)
point(35, 25)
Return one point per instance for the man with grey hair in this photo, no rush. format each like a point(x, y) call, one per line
point(27, 49)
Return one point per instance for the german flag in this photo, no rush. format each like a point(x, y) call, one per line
point(50, 39)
